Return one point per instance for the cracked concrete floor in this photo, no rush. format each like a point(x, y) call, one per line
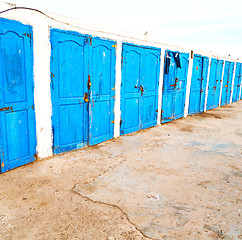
point(181, 180)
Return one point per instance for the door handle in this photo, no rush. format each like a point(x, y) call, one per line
point(141, 88)
point(173, 85)
point(86, 99)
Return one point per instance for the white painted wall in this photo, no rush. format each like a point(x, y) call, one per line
point(206, 94)
point(161, 80)
point(117, 109)
point(188, 88)
point(41, 24)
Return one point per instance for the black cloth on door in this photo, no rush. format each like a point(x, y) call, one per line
point(177, 59)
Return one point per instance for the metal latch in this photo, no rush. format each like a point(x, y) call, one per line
point(86, 99)
point(89, 84)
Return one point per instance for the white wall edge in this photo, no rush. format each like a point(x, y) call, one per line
point(117, 106)
point(42, 94)
point(206, 94)
point(160, 89)
point(188, 88)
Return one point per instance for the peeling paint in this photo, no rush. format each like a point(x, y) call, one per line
point(6, 109)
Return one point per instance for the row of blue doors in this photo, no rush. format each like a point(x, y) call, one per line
point(17, 116)
point(83, 90)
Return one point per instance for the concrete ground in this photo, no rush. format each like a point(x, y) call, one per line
point(181, 180)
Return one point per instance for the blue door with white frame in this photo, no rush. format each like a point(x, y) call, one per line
point(139, 91)
point(237, 82)
point(82, 85)
point(17, 115)
point(174, 85)
point(214, 84)
point(227, 83)
point(198, 84)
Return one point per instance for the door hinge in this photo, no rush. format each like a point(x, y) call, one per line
point(113, 121)
point(115, 46)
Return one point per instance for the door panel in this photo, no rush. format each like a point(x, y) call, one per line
point(149, 82)
point(130, 95)
point(204, 83)
point(237, 82)
point(168, 96)
point(69, 77)
point(215, 79)
point(174, 88)
point(198, 84)
point(17, 116)
point(218, 82)
point(102, 90)
point(139, 97)
point(227, 82)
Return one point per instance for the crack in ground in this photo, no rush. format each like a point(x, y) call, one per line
point(116, 207)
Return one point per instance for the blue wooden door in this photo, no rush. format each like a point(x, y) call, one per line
point(174, 88)
point(102, 90)
point(69, 76)
point(83, 90)
point(150, 65)
point(214, 84)
point(139, 95)
point(17, 116)
point(198, 84)
point(227, 82)
point(237, 82)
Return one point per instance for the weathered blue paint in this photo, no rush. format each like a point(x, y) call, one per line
point(198, 84)
point(82, 75)
point(237, 82)
point(214, 84)
point(227, 82)
point(17, 116)
point(102, 90)
point(139, 91)
point(174, 89)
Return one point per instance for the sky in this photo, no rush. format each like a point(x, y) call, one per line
point(211, 25)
